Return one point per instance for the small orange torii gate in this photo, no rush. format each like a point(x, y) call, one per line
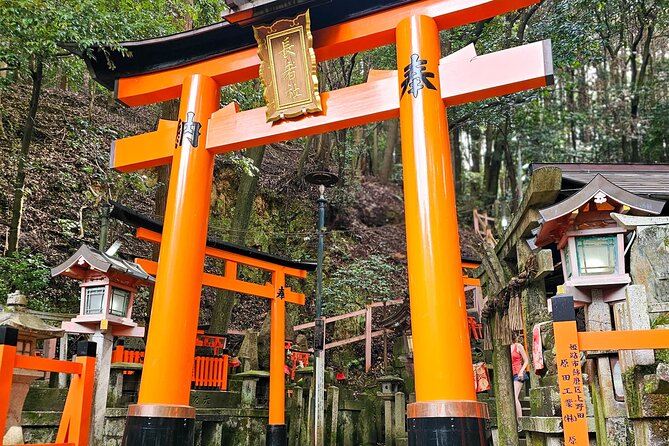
point(192, 70)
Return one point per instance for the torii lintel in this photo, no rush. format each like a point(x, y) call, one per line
point(367, 31)
point(465, 77)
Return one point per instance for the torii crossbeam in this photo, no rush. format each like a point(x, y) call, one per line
point(445, 411)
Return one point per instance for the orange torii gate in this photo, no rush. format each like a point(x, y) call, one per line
point(188, 67)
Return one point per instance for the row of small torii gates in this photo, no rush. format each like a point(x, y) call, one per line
point(446, 410)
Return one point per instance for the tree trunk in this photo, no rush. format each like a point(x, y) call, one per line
point(19, 184)
point(493, 165)
point(475, 134)
point(392, 131)
point(456, 160)
point(2, 126)
point(225, 299)
point(504, 397)
point(511, 170)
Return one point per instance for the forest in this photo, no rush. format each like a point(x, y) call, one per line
point(609, 103)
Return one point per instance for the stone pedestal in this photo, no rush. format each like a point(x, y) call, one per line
point(20, 385)
point(105, 347)
point(249, 386)
point(390, 386)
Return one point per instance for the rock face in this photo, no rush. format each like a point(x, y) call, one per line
point(649, 265)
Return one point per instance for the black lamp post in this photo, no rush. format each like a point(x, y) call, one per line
point(322, 179)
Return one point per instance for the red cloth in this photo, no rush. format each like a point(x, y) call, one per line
point(516, 359)
point(481, 377)
point(537, 349)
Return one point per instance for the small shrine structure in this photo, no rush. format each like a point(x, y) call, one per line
point(597, 233)
point(108, 287)
point(30, 330)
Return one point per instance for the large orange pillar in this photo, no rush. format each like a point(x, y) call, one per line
point(277, 434)
point(163, 416)
point(445, 411)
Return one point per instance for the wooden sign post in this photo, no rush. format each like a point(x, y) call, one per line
point(569, 343)
point(446, 411)
point(570, 379)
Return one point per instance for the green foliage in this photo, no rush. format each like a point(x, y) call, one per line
point(34, 29)
point(355, 284)
point(24, 271)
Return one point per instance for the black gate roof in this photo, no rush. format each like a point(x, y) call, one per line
point(151, 55)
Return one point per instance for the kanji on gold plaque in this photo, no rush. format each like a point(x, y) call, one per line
point(288, 68)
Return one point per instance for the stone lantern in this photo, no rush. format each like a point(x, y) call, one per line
point(108, 287)
point(591, 243)
point(31, 329)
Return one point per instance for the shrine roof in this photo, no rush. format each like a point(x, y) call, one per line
point(29, 324)
point(157, 54)
point(137, 220)
point(555, 218)
point(638, 205)
point(649, 180)
point(100, 261)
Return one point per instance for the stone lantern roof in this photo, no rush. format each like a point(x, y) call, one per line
point(87, 258)
point(15, 314)
point(558, 218)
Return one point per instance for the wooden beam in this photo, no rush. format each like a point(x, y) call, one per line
point(462, 80)
point(347, 315)
point(236, 285)
point(144, 151)
point(229, 257)
point(351, 340)
point(357, 35)
point(471, 281)
point(623, 340)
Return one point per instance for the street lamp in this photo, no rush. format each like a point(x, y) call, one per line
point(322, 179)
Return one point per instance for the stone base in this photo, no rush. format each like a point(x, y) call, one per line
point(449, 430)
point(159, 431)
point(277, 435)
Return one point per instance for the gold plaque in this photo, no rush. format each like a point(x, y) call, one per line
point(288, 68)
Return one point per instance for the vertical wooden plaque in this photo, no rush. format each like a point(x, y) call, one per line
point(288, 68)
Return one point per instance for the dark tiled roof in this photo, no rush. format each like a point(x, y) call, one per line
point(102, 262)
point(185, 48)
point(134, 219)
point(650, 180)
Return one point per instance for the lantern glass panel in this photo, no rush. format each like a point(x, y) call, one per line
point(94, 297)
point(567, 260)
point(597, 255)
point(119, 302)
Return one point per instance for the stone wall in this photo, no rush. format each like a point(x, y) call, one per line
point(228, 418)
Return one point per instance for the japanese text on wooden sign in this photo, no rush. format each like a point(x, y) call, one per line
point(570, 379)
point(288, 68)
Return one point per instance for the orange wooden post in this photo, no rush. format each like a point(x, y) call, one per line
point(76, 419)
point(446, 410)
point(276, 429)
point(226, 362)
point(164, 393)
point(567, 356)
point(8, 338)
